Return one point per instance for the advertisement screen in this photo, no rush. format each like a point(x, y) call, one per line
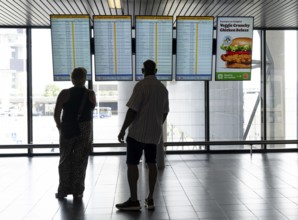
point(154, 41)
point(70, 45)
point(234, 48)
point(113, 50)
point(194, 48)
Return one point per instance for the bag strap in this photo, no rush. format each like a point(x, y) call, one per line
point(82, 104)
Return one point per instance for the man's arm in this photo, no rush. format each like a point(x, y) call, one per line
point(130, 116)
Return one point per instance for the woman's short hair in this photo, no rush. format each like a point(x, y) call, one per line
point(78, 76)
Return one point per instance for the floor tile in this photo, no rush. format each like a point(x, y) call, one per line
point(191, 187)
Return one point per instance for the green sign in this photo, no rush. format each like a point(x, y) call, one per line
point(224, 76)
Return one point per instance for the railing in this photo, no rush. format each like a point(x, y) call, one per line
point(167, 144)
point(249, 142)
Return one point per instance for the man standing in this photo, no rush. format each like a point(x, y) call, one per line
point(148, 109)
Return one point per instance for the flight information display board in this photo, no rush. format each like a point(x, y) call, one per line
point(113, 52)
point(154, 40)
point(70, 45)
point(194, 48)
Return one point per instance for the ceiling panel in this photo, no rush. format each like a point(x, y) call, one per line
point(36, 13)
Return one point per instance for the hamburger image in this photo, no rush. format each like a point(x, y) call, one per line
point(238, 53)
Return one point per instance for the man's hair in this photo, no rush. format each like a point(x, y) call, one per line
point(150, 67)
point(78, 76)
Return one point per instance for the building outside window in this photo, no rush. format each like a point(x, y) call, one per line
point(13, 91)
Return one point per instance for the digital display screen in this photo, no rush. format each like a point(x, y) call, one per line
point(234, 48)
point(113, 48)
point(154, 41)
point(194, 48)
point(70, 45)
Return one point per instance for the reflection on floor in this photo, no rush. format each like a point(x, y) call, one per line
point(222, 186)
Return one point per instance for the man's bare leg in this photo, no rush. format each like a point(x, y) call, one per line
point(133, 176)
point(152, 179)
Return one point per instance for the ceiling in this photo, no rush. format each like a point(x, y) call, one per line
point(269, 14)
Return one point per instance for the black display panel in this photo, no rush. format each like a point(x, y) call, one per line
point(234, 48)
point(194, 48)
point(70, 45)
point(113, 48)
point(154, 41)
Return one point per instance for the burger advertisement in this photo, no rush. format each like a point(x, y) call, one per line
point(234, 48)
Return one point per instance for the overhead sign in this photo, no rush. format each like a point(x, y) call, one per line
point(112, 42)
point(194, 48)
point(70, 45)
point(234, 48)
point(154, 41)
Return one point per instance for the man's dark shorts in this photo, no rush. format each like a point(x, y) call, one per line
point(135, 150)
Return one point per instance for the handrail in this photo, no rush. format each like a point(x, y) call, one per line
point(166, 144)
point(249, 142)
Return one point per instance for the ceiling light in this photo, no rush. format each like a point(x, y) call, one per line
point(114, 4)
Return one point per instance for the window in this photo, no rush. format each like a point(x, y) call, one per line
point(281, 84)
point(235, 106)
point(44, 90)
point(13, 91)
point(235, 112)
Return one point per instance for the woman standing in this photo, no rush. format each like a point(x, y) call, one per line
point(74, 151)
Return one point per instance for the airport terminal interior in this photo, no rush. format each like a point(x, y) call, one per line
point(230, 146)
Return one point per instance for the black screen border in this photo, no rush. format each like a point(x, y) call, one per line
point(211, 72)
point(217, 41)
point(89, 75)
point(116, 17)
point(153, 16)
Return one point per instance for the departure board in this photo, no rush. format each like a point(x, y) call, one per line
point(154, 40)
point(113, 52)
point(70, 45)
point(194, 48)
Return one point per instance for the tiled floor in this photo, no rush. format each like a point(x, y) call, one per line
point(219, 186)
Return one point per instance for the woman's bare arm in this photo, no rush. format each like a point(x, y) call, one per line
point(92, 97)
point(61, 99)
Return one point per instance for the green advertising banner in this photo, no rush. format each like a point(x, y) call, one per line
point(224, 76)
point(234, 48)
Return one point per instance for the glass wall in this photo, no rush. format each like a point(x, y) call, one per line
point(281, 86)
point(235, 107)
point(186, 120)
point(44, 90)
point(106, 122)
point(13, 90)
